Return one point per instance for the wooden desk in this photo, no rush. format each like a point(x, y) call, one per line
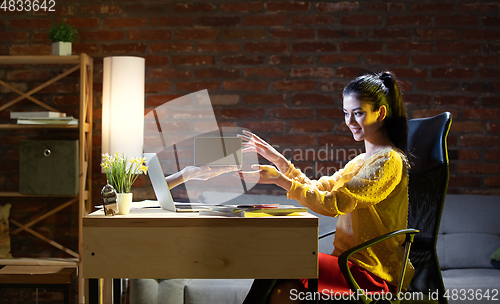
point(152, 243)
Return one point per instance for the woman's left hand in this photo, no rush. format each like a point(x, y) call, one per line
point(265, 175)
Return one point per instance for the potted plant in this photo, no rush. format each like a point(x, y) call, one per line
point(121, 174)
point(62, 35)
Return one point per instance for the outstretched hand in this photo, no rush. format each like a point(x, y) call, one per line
point(204, 173)
point(265, 175)
point(253, 143)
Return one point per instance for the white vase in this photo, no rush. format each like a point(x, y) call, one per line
point(61, 48)
point(124, 202)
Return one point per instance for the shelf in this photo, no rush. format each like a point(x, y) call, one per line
point(40, 261)
point(47, 126)
point(16, 194)
point(74, 59)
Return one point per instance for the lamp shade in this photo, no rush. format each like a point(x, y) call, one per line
point(123, 106)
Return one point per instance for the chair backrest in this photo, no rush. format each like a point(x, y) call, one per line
point(428, 183)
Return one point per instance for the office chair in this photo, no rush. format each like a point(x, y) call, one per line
point(428, 182)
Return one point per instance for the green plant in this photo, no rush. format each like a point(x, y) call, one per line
point(62, 32)
point(121, 174)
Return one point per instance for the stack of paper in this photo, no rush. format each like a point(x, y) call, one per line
point(255, 210)
point(46, 117)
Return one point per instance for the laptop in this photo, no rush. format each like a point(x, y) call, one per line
point(161, 189)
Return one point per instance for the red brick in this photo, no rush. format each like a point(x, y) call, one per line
point(264, 99)
point(337, 6)
point(468, 154)
point(409, 46)
point(265, 47)
point(314, 47)
point(479, 60)
point(453, 73)
point(196, 34)
point(197, 86)
point(264, 72)
point(158, 87)
point(30, 23)
point(312, 72)
point(242, 113)
point(478, 168)
point(243, 60)
point(193, 60)
point(245, 85)
point(430, 112)
point(292, 33)
point(437, 34)
point(171, 47)
point(294, 85)
point(493, 127)
point(218, 21)
point(243, 34)
point(458, 47)
point(386, 59)
point(482, 113)
point(466, 126)
point(27, 75)
point(493, 155)
point(436, 85)
point(157, 100)
point(433, 59)
point(296, 140)
point(432, 7)
point(149, 35)
point(287, 6)
point(267, 20)
point(390, 34)
point(350, 72)
point(242, 7)
point(479, 87)
point(458, 101)
point(491, 48)
point(479, 7)
point(357, 20)
point(460, 20)
point(15, 36)
point(312, 99)
point(32, 49)
point(216, 73)
point(124, 48)
point(388, 7)
point(171, 21)
point(311, 19)
point(479, 140)
point(492, 181)
point(409, 72)
point(416, 99)
point(409, 20)
point(167, 73)
point(336, 140)
point(125, 22)
point(332, 86)
point(285, 113)
point(224, 100)
point(311, 126)
point(102, 9)
point(480, 35)
point(102, 35)
point(363, 46)
point(83, 22)
point(218, 47)
point(58, 88)
point(491, 101)
point(265, 126)
point(193, 7)
point(464, 181)
point(491, 21)
point(338, 58)
point(290, 60)
point(87, 48)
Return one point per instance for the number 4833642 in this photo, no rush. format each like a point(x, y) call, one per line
point(28, 5)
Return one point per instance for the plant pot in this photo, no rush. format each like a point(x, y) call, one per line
point(124, 202)
point(61, 48)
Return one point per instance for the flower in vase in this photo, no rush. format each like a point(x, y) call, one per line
point(122, 173)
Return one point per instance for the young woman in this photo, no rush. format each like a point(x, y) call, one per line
point(369, 195)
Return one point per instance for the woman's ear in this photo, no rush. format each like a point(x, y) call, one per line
point(382, 111)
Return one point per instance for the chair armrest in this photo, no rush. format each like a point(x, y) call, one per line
point(344, 257)
point(327, 234)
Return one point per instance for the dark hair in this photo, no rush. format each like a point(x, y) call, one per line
point(381, 89)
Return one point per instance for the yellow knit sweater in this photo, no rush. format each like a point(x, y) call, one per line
point(370, 196)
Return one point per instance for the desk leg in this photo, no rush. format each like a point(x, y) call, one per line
point(313, 287)
point(117, 291)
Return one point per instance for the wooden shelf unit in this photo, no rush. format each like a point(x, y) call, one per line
point(84, 63)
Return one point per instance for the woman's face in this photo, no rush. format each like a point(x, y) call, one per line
point(359, 117)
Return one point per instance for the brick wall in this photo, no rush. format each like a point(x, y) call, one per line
point(278, 69)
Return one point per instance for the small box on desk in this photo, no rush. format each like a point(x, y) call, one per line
point(48, 167)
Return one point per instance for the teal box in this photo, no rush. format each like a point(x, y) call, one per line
point(48, 167)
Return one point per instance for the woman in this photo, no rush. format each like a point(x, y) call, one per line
point(370, 195)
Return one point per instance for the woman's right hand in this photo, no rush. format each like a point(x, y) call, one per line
point(253, 143)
